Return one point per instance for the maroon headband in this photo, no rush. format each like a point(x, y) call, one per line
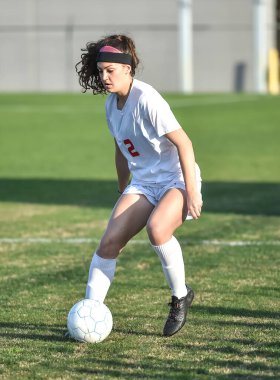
point(110, 54)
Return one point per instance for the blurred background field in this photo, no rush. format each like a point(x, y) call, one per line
point(58, 182)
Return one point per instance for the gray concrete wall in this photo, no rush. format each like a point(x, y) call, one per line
point(40, 41)
point(223, 45)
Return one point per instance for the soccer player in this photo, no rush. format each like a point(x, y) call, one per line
point(153, 150)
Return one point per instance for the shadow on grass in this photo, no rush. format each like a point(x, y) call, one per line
point(87, 193)
point(219, 197)
point(136, 332)
point(236, 312)
point(105, 360)
point(157, 368)
point(123, 368)
point(32, 331)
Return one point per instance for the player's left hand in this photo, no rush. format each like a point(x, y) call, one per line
point(194, 203)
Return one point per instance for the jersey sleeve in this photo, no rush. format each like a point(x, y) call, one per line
point(158, 112)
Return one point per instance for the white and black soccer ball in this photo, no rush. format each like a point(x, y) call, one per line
point(89, 321)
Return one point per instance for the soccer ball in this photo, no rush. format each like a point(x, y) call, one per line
point(89, 321)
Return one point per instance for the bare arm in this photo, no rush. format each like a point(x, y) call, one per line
point(122, 169)
point(187, 160)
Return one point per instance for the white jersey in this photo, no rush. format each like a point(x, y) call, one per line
point(139, 130)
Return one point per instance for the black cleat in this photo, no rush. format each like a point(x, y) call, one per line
point(178, 313)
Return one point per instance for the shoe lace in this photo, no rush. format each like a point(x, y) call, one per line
point(175, 307)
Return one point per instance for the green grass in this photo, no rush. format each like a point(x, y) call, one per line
point(57, 180)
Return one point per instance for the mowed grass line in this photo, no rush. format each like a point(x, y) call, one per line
point(57, 179)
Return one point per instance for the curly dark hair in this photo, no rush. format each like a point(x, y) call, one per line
point(87, 68)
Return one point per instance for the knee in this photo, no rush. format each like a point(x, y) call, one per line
point(155, 232)
point(109, 247)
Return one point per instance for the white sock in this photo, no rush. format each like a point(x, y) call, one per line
point(101, 274)
point(172, 262)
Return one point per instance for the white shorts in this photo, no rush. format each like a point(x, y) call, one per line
point(156, 191)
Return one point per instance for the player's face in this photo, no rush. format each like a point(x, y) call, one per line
point(114, 76)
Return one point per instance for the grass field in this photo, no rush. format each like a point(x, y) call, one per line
point(57, 188)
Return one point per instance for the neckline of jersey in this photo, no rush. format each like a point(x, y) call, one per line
point(127, 100)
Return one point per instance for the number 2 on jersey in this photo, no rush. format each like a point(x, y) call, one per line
point(131, 148)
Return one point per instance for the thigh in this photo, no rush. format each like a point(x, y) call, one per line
point(167, 216)
point(129, 216)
